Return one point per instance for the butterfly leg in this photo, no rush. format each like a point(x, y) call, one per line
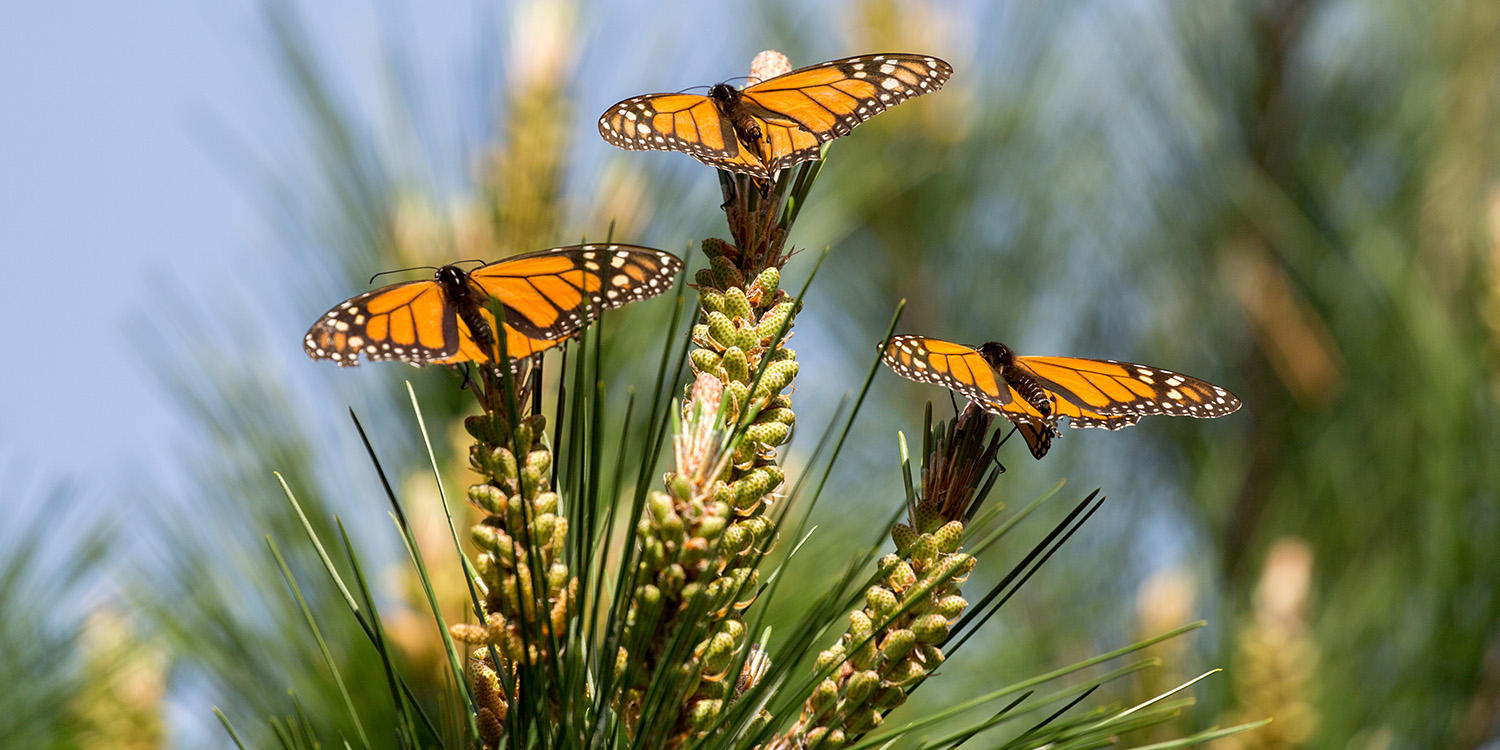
point(534, 376)
point(729, 188)
point(996, 459)
point(1012, 433)
point(463, 368)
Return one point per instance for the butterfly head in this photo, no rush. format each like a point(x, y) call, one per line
point(724, 95)
point(998, 355)
point(731, 105)
point(452, 277)
point(1003, 360)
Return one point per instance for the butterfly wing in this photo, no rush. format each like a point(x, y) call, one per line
point(1087, 419)
point(412, 321)
point(953, 366)
point(1104, 394)
point(550, 294)
point(803, 109)
point(1107, 391)
point(688, 123)
point(1038, 437)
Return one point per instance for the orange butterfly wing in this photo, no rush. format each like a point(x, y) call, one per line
point(796, 112)
point(549, 295)
point(688, 123)
point(805, 108)
point(953, 366)
point(1105, 389)
point(552, 293)
point(410, 321)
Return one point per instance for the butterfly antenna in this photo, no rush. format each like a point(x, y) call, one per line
point(690, 88)
point(402, 270)
point(469, 260)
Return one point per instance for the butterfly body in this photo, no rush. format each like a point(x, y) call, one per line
point(545, 296)
point(1035, 393)
point(467, 300)
point(776, 123)
point(731, 105)
point(1021, 380)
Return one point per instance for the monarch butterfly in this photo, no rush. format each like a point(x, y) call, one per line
point(775, 123)
point(547, 296)
point(1035, 392)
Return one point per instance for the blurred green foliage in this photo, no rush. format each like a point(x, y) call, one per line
point(56, 677)
point(1294, 199)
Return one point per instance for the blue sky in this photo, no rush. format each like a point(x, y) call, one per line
point(119, 189)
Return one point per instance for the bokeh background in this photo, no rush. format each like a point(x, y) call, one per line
point(1297, 199)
